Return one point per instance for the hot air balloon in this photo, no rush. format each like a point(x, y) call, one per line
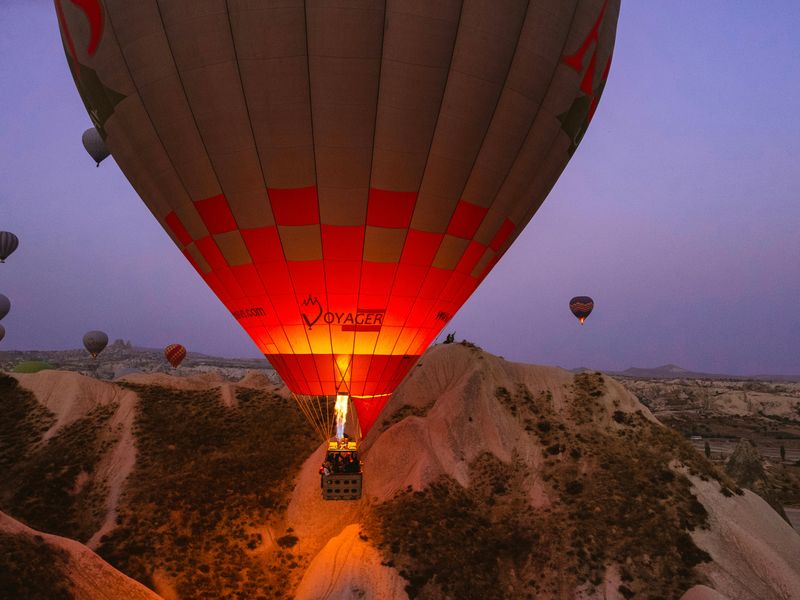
point(342, 175)
point(2, 333)
point(95, 145)
point(5, 305)
point(8, 243)
point(175, 353)
point(581, 307)
point(94, 342)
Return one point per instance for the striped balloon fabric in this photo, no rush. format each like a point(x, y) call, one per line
point(5, 305)
point(581, 307)
point(175, 353)
point(343, 175)
point(8, 243)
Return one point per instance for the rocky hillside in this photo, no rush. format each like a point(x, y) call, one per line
point(483, 479)
point(776, 400)
point(39, 566)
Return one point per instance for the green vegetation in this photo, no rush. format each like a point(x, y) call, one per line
point(22, 422)
point(452, 542)
point(615, 499)
point(49, 484)
point(207, 480)
point(32, 366)
point(52, 487)
point(401, 413)
point(32, 569)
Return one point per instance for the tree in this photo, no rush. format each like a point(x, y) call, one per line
point(708, 449)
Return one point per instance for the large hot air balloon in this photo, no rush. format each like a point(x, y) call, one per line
point(581, 307)
point(5, 305)
point(175, 353)
point(95, 145)
point(342, 175)
point(95, 342)
point(8, 243)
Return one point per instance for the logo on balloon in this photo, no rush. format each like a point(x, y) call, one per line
point(311, 315)
point(364, 319)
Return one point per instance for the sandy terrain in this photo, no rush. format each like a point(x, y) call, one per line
point(445, 415)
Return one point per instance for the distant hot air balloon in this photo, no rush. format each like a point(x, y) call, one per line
point(581, 307)
point(94, 342)
point(95, 145)
point(342, 175)
point(2, 333)
point(5, 306)
point(8, 243)
point(175, 353)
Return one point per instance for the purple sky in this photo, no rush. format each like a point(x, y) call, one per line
point(679, 213)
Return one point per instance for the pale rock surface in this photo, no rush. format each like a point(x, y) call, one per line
point(756, 554)
point(348, 567)
point(702, 592)
point(92, 578)
point(68, 395)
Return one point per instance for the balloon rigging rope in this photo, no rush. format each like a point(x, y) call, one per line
point(305, 406)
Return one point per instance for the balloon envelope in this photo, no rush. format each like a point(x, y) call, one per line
point(94, 342)
point(175, 353)
point(342, 175)
point(5, 305)
point(581, 307)
point(8, 243)
point(95, 145)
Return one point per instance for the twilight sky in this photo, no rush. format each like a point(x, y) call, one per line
point(679, 214)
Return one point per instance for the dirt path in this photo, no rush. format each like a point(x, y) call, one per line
point(119, 463)
point(228, 393)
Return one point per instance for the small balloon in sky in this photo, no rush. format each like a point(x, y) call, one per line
point(95, 145)
point(94, 342)
point(175, 353)
point(8, 243)
point(581, 307)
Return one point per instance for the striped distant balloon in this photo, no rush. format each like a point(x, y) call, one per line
point(2, 333)
point(581, 307)
point(175, 353)
point(343, 175)
point(8, 243)
point(5, 305)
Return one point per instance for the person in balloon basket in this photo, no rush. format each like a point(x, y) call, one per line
point(350, 463)
point(324, 471)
